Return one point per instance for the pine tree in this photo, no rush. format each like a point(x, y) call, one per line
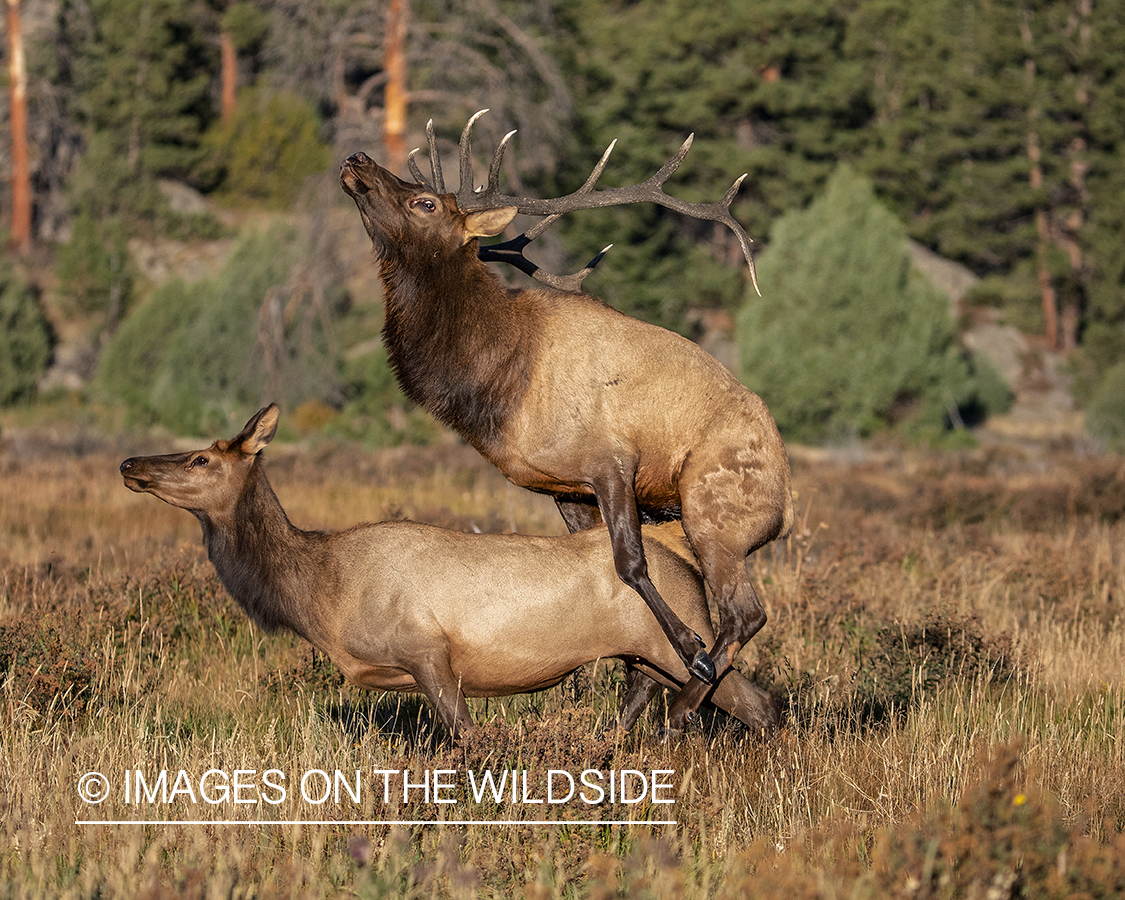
point(847, 338)
point(25, 339)
point(990, 133)
point(142, 72)
point(764, 88)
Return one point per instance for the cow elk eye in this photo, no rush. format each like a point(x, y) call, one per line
point(425, 202)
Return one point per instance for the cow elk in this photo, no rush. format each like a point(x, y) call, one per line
point(400, 606)
point(620, 421)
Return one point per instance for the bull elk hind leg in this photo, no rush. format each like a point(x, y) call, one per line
point(733, 693)
point(724, 531)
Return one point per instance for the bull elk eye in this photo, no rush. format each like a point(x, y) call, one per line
point(424, 202)
point(198, 461)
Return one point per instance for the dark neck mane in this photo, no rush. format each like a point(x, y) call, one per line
point(460, 342)
point(277, 572)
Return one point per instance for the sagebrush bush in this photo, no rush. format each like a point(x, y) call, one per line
point(848, 338)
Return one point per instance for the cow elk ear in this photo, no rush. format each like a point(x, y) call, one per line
point(488, 222)
point(259, 431)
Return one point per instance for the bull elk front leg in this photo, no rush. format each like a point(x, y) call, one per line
point(617, 503)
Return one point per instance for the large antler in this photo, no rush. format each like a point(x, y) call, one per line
point(586, 197)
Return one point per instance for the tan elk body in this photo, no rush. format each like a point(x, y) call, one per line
point(619, 420)
point(402, 606)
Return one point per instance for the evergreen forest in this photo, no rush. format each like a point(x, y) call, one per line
point(989, 132)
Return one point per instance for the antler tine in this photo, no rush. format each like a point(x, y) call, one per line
point(465, 153)
point(719, 211)
point(437, 184)
point(666, 170)
point(511, 252)
point(574, 282)
point(435, 159)
point(744, 239)
point(542, 225)
point(597, 171)
point(497, 161)
point(412, 165)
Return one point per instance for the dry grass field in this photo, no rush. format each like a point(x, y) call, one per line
point(946, 637)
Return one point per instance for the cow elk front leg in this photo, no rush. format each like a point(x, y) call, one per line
point(436, 680)
point(639, 691)
point(618, 505)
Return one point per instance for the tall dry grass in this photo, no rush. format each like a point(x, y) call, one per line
point(945, 635)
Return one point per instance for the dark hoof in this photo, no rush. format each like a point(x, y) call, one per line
point(668, 735)
point(702, 667)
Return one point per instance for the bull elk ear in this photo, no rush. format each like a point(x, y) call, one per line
point(488, 222)
point(259, 431)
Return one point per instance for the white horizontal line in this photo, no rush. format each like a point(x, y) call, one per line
point(373, 822)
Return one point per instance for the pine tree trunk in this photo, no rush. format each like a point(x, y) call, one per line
point(394, 96)
point(229, 76)
point(1042, 223)
point(21, 172)
point(1071, 313)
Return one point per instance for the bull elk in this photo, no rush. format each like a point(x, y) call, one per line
point(619, 420)
point(401, 606)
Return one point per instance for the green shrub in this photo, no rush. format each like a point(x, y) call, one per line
point(266, 151)
point(192, 357)
point(135, 357)
point(93, 268)
point(848, 338)
point(992, 396)
point(376, 411)
point(1105, 411)
point(25, 339)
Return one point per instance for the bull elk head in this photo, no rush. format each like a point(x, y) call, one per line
point(472, 199)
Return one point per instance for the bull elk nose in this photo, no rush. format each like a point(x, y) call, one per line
point(350, 176)
point(127, 465)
